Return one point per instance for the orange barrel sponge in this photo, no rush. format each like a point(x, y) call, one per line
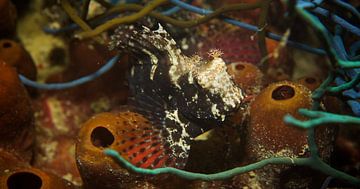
point(331, 103)
point(311, 83)
point(15, 55)
point(16, 114)
point(268, 135)
point(16, 174)
point(31, 178)
point(7, 18)
point(8, 160)
point(325, 134)
point(247, 76)
point(128, 133)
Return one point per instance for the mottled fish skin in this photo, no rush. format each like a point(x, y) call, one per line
point(201, 90)
point(184, 96)
point(143, 143)
point(177, 132)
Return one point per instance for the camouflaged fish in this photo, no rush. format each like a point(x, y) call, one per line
point(182, 96)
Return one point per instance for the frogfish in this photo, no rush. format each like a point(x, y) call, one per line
point(181, 96)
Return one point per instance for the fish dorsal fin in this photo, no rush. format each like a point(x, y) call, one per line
point(175, 131)
point(143, 144)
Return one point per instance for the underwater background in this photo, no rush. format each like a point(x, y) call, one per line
point(108, 94)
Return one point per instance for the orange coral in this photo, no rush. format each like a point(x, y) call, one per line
point(16, 174)
point(7, 18)
point(15, 55)
point(246, 75)
point(105, 131)
point(311, 83)
point(268, 134)
point(16, 114)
